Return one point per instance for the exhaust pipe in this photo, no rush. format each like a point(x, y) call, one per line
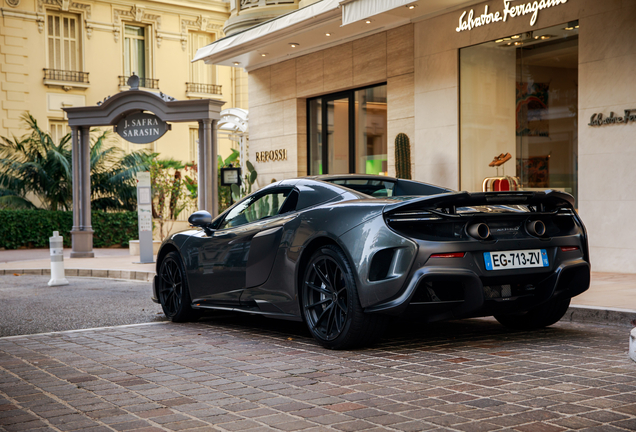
point(535, 228)
point(480, 231)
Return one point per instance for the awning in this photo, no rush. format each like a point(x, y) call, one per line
point(357, 10)
point(318, 26)
point(305, 16)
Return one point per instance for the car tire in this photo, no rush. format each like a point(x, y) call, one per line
point(542, 316)
point(173, 291)
point(331, 306)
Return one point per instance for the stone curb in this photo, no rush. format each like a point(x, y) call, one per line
point(600, 315)
point(97, 273)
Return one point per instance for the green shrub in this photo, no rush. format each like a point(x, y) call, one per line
point(32, 228)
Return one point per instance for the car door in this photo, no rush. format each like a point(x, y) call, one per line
point(219, 275)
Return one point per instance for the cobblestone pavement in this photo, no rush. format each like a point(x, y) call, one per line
point(238, 373)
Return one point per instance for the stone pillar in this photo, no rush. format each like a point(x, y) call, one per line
point(75, 167)
point(201, 166)
point(215, 168)
point(208, 168)
point(82, 233)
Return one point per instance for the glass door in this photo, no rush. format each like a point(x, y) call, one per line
point(336, 116)
point(347, 132)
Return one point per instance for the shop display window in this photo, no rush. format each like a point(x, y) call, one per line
point(347, 132)
point(518, 113)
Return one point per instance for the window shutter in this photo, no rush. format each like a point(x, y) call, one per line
point(200, 72)
point(63, 42)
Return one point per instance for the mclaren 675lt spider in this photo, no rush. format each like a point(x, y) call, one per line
point(344, 253)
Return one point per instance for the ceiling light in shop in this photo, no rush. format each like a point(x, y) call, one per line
point(368, 21)
point(411, 6)
point(515, 37)
point(293, 44)
point(499, 40)
point(237, 63)
point(327, 34)
point(263, 55)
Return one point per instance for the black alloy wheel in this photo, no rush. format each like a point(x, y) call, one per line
point(330, 303)
point(325, 298)
point(173, 290)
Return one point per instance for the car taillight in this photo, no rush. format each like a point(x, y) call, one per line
point(449, 255)
point(569, 248)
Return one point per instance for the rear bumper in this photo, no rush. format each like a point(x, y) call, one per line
point(439, 292)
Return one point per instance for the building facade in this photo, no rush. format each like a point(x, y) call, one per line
point(539, 94)
point(64, 53)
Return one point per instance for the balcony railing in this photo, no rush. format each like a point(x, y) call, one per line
point(67, 76)
point(203, 88)
point(143, 82)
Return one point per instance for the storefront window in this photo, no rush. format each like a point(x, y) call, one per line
point(352, 125)
point(519, 110)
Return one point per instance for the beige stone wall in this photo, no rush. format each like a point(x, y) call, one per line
point(23, 55)
point(278, 95)
point(420, 63)
point(607, 155)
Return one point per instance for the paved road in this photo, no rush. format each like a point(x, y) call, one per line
point(240, 373)
point(28, 305)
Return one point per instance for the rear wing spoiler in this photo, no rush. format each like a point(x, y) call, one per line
point(543, 201)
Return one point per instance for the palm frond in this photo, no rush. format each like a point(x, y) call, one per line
point(9, 200)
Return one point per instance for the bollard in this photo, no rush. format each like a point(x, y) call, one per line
point(632, 344)
point(57, 260)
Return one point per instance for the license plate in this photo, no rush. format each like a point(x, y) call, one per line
point(516, 259)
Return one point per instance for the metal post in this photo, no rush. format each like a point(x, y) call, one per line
point(56, 245)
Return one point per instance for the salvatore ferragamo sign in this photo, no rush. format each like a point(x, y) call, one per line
point(468, 20)
point(598, 119)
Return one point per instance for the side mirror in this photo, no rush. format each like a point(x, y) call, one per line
point(200, 219)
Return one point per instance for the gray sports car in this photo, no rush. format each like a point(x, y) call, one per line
point(344, 253)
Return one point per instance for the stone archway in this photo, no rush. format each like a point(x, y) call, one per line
point(108, 113)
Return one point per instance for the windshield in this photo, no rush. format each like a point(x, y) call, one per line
point(375, 188)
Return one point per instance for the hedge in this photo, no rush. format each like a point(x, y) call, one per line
point(32, 228)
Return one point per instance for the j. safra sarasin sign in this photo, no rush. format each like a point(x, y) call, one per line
point(141, 128)
point(511, 9)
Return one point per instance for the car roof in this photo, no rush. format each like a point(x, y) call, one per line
point(335, 182)
point(331, 177)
